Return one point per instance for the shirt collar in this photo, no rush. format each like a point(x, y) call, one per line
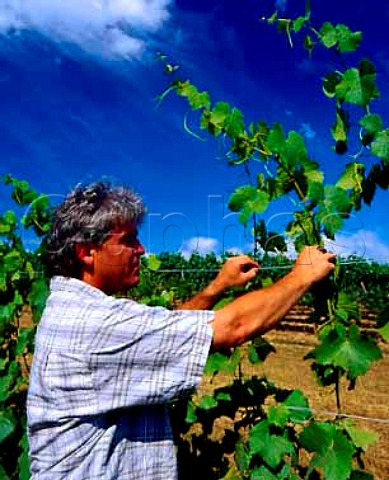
point(69, 284)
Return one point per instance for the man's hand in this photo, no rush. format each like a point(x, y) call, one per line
point(314, 264)
point(236, 272)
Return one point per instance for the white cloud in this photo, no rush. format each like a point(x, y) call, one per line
point(109, 28)
point(201, 245)
point(364, 243)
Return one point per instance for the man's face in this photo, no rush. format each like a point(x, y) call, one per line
point(116, 262)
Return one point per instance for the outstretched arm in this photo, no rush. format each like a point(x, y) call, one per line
point(257, 312)
point(236, 271)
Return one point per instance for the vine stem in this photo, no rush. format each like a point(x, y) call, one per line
point(337, 392)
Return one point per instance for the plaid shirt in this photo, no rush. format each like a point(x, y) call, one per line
point(103, 370)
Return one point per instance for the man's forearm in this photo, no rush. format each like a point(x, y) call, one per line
point(257, 312)
point(237, 271)
point(204, 300)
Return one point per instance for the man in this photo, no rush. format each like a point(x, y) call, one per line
point(105, 367)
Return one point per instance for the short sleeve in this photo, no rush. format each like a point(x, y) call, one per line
point(148, 355)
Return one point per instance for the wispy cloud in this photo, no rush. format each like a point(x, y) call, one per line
point(108, 28)
point(281, 5)
point(307, 131)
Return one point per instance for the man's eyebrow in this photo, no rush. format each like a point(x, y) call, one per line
point(128, 234)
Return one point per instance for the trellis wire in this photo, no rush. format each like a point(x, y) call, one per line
point(340, 415)
point(261, 268)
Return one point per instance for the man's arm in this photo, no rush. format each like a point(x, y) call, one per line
point(256, 312)
point(236, 272)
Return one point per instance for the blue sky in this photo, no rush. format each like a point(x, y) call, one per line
point(78, 88)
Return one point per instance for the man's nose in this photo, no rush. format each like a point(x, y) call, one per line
point(140, 249)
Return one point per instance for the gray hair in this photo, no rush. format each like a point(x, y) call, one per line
point(88, 215)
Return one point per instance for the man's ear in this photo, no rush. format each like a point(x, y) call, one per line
point(85, 252)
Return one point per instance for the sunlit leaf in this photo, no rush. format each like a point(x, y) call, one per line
point(248, 200)
point(348, 41)
point(380, 146)
point(207, 402)
point(361, 438)
point(234, 123)
point(372, 123)
point(328, 35)
point(298, 407)
point(350, 350)
point(352, 177)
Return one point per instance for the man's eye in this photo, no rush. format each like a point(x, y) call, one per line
point(129, 240)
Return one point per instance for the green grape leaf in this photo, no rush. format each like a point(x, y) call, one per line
point(352, 177)
point(153, 262)
point(336, 199)
point(22, 193)
point(298, 24)
point(207, 402)
point(317, 437)
point(361, 438)
point(278, 415)
point(191, 416)
point(347, 308)
point(234, 123)
point(23, 460)
point(371, 123)
point(356, 88)
point(333, 451)
point(262, 473)
point(214, 120)
point(351, 351)
point(7, 425)
point(328, 35)
point(298, 407)
point(315, 190)
point(335, 206)
point(248, 200)
point(348, 41)
point(8, 222)
point(380, 146)
point(272, 448)
point(308, 43)
point(242, 456)
point(13, 261)
point(276, 142)
point(218, 362)
point(38, 296)
point(259, 349)
point(359, 475)
point(3, 474)
point(295, 151)
point(384, 332)
point(223, 396)
point(314, 175)
point(340, 128)
point(25, 339)
point(330, 82)
point(195, 98)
